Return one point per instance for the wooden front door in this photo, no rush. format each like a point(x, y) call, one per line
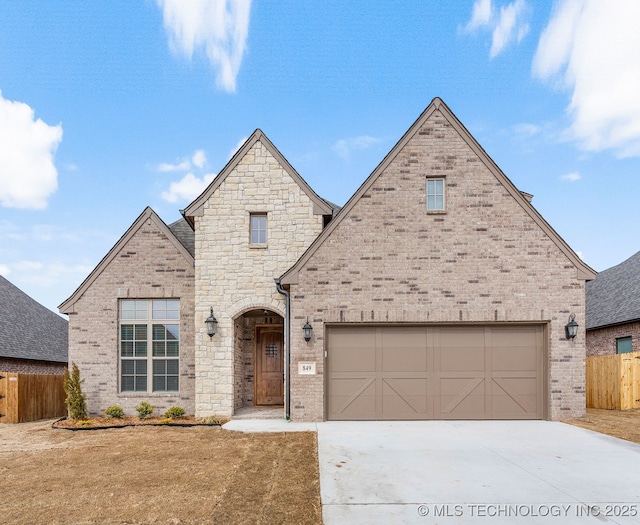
point(269, 369)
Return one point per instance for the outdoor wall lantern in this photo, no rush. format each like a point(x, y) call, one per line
point(306, 331)
point(212, 324)
point(571, 328)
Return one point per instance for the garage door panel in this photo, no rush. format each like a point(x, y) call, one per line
point(401, 359)
point(436, 372)
point(394, 408)
point(405, 398)
point(461, 359)
point(468, 407)
point(518, 358)
point(353, 397)
point(515, 396)
point(355, 360)
point(409, 337)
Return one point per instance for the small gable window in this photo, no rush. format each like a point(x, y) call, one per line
point(623, 345)
point(435, 194)
point(259, 228)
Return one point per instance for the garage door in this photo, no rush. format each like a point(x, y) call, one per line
point(446, 372)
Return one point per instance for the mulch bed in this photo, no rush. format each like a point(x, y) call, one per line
point(101, 422)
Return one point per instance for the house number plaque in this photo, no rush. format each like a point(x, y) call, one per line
point(306, 369)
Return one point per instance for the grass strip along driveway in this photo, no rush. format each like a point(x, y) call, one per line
point(157, 475)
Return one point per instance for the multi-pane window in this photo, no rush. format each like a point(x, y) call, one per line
point(141, 322)
point(258, 228)
point(623, 345)
point(435, 194)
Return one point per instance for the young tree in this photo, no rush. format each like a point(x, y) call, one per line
point(76, 403)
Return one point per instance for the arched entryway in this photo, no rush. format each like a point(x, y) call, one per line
point(258, 359)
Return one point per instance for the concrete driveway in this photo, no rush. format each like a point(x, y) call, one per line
point(475, 472)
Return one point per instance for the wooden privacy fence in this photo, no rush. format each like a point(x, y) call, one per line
point(613, 381)
point(29, 397)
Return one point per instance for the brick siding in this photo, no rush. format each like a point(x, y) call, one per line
point(28, 366)
point(148, 266)
point(483, 261)
point(603, 341)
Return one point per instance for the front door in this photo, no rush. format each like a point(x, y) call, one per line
point(269, 370)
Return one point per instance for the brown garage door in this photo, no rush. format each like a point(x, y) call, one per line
point(445, 372)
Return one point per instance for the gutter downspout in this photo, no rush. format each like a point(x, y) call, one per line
point(287, 348)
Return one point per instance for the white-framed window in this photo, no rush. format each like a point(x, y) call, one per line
point(149, 345)
point(435, 194)
point(258, 233)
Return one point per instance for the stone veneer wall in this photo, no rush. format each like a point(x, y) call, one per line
point(603, 341)
point(483, 261)
point(29, 366)
point(147, 267)
point(234, 277)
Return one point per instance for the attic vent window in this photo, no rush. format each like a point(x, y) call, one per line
point(435, 195)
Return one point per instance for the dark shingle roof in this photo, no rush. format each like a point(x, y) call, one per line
point(185, 234)
point(613, 297)
point(28, 330)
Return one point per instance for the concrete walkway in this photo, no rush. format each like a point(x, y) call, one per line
point(268, 425)
point(475, 472)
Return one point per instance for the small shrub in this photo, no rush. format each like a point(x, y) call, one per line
point(174, 412)
point(164, 421)
point(212, 420)
point(115, 411)
point(76, 401)
point(85, 422)
point(144, 410)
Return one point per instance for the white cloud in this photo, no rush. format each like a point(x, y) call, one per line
point(165, 167)
point(508, 24)
point(591, 48)
point(220, 27)
point(344, 147)
point(28, 175)
point(571, 177)
point(187, 188)
point(4, 270)
point(199, 158)
point(480, 16)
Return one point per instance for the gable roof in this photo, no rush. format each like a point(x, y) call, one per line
point(28, 330)
point(185, 234)
point(613, 297)
point(583, 270)
point(148, 214)
point(320, 205)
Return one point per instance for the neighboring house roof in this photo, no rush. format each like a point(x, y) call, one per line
point(613, 297)
point(28, 330)
point(176, 233)
point(320, 205)
point(185, 234)
point(583, 270)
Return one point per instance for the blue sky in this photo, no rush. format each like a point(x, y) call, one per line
point(109, 106)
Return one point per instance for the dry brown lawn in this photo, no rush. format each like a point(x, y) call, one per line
point(624, 424)
point(157, 475)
